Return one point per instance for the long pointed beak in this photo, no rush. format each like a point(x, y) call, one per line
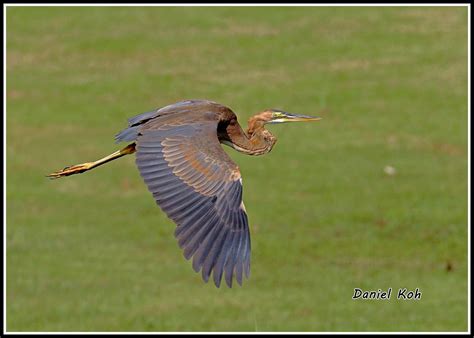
point(287, 117)
point(300, 118)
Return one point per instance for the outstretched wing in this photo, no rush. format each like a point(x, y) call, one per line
point(199, 187)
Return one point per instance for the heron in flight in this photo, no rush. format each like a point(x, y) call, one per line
point(194, 181)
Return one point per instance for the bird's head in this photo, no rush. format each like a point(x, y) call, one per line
point(272, 116)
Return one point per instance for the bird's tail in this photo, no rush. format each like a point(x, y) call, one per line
point(127, 135)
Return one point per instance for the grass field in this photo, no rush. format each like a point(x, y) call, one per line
point(93, 252)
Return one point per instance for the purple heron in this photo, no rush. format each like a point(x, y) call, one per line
point(194, 181)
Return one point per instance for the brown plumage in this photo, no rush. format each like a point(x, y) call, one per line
point(194, 181)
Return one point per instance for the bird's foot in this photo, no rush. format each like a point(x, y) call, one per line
point(72, 170)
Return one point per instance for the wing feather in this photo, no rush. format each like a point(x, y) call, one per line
point(198, 186)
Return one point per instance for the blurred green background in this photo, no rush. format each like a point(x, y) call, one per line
point(93, 252)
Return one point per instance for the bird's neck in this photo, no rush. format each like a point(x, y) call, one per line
point(255, 126)
point(256, 141)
